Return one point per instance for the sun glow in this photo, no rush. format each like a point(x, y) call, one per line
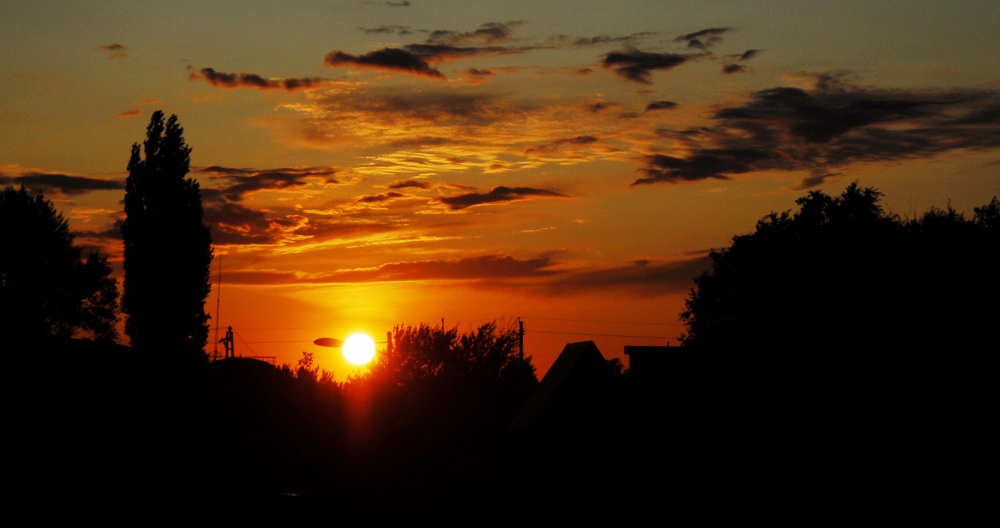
point(359, 349)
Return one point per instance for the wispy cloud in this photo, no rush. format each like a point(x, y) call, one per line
point(703, 39)
point(130, 113)
point(252, 80)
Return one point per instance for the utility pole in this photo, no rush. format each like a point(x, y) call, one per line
point(520, 337)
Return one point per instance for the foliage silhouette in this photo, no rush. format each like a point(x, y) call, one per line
point(47, 290)
point(842, 292)
point(168, 251)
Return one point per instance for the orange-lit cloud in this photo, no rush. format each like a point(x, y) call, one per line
point(130, 113)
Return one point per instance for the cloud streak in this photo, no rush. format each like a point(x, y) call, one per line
point(252, 80)
point(497, 195)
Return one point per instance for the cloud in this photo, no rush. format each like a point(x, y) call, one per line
point(485, 267)
point(487, 33)
point(749, 54)
point(600, 105)
point(393, 28)
point(115, 50)
point(584, 42)
point(54, 182)
point(635, 65)
point(242, 181)
point(130, 113)
point(733, 68)
point(410, 184)
point(661, 105)
point(703, 39)
point(831, 125)
point(642, 278)
point(497, 195)
point(252, 80)
point(390, 59)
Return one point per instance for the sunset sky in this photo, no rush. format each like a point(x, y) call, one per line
point(365, 164)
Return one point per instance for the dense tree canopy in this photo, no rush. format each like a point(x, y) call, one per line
point(47, 289)
point(842, 288)
point(168, 251)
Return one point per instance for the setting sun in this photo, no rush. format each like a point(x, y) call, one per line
point(359, 349)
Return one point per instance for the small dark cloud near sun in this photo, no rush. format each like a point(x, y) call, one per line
point(661, 105)
point(498, 195)
point(636, 66)
point(833, 124)
point(252, 80)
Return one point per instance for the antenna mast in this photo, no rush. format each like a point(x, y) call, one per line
point(218, 301)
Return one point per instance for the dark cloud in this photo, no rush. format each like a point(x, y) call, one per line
point(378, 198)
point(395, 28)
point(635, 65)
point(53, 182)
point(733, 68)
point(495, 196)
point(487, 33)
point(252, 80)
point(447, 52)
point(410, 184)
point(401, 3)
point(661, 105)
point(749, 54)
point(391, 59)
point(479, 72)
point(833, 124)
point(242, 181)
point(703, 39)
point(116, 51)
point(584, 42)
point(600, 105)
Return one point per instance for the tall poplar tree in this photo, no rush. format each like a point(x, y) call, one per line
point(168, 248)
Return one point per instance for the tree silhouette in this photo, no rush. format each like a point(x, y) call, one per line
point(47, 290)
point(843, 292)
point(168, 251)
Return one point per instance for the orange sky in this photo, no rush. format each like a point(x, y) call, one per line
point(366, 164)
